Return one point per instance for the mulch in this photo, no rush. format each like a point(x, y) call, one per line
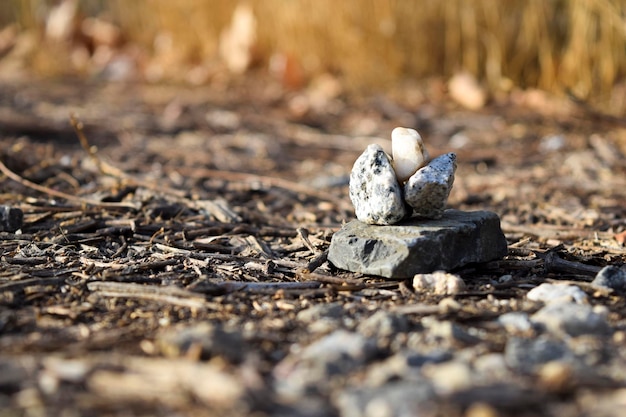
point(174, 206)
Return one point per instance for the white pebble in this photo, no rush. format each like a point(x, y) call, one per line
point(408, 151)
point(438, 282)
point(557, 293)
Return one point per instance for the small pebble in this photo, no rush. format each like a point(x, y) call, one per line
point(572, 319)
point(528, 355)
point(557, 293)
point(449, 332)
point(321, 318)
point(337, 353)
point(611, 277)
point(481, 409)
point(465, 89)
point(439, 282)
point(515, 322)
point(552, 143)
point(428, 189)
point(449, 376)
point(11, 219)
point(491, 366)
point(320, 312)
point(556, 376)
point(203, 340)
point(383, 324)
point(396, 399)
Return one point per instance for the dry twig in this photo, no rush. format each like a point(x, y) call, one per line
point(169, 295)
point(45, 190)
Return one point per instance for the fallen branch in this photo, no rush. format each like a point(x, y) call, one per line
point(552, 263)
point(315, 263)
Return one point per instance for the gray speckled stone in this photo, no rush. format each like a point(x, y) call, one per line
point(417, 246)
point(428, 189)
point(374, 189)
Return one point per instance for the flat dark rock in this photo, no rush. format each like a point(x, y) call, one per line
point(417, 246)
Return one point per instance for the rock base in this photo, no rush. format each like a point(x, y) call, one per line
point(418, 246)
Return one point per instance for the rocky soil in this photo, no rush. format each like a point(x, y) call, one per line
point(173, 261)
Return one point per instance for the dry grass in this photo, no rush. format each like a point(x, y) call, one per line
point(576, 45)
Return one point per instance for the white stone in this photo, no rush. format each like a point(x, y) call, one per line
point(428, 189)
point(465, 90)
point(557, 293)
point(374, 189)
point(515, 321)
point(572, 319)
point(408, 151)
point(439, 282)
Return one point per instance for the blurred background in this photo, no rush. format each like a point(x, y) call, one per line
point(488, 48)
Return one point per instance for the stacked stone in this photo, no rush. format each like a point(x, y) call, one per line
point(385, 192)
point(403, 227)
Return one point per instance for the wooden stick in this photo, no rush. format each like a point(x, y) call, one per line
point(315, 262)
point(169, 295)
point(103, 167)
point(553, 263)
point(30, 282)
point(49, 191)
point(304, 236)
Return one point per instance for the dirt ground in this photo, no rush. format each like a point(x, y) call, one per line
point(176, 277)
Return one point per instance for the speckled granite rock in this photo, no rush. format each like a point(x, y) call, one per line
point(374, 189)
point(417, 246)
point(428, 189)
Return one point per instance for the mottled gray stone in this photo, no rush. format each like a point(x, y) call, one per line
point(307, 369)
point(374, 189)
point(10, 219)
point(527, 355)
point(321, 318)
point(449, 332)
point(212, 340)
point(397, 399)
point(383, 324)
point(418, 246)
point(572, 319)
point(428, 189)
point(611, 277)
point(332, 311)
